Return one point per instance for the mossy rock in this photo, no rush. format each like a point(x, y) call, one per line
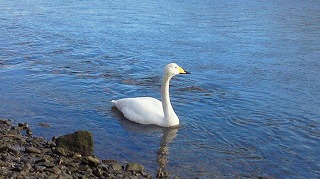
point(80, 141)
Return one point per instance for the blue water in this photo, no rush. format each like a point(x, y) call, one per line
point(250, 108)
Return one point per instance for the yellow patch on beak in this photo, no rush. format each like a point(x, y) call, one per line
point(182, 71)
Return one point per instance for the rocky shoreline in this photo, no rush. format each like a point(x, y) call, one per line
point(23, 155)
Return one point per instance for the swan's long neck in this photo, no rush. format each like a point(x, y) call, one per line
point(170, 117)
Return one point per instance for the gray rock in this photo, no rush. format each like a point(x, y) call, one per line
point(39, 168)
point(51, 144)
point(97, 172)
point(54, 138)
point(5, 121)
point(40, 175)
point(103, 166)
point(83, 177)
point(18, 137)
point(13, 151)
point(32, 150)
point(29, 132)
point(54, 170)
point(134, 167)
point(92, 161)
point(88, 172)
point(120, 176)
point(3, 148)
point(115, 166)
point(17, 168)
point(144, 173)
point(42, 160)
point(80, 141)
point(84, 167)
point(108, 175)
point(46, 164)
point(51, 176)
point(5, 164)
point(64, 175)
point(5, 140)
point(72, 167)
point(26, 167)
point(60, 151)
point(25, 160)
point(23, 125)
point(6, 158)
point(114, 172)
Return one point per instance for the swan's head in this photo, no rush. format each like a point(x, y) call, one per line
point(173, 69)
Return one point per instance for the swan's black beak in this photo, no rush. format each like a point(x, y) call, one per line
point(186, 72)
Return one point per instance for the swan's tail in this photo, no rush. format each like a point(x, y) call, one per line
point(114, 102)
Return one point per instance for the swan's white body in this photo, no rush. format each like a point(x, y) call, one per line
point(147, 110)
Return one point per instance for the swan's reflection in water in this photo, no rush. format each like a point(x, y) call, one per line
point(162, 155)
point(168, 134)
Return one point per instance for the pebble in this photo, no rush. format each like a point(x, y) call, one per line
point(6, 158)
point(3, 148)
point(51, 144)
point(116, 166)
point(17, 168)
point(134, 167)
point(84, 167)
point(39, 167)
point(46, 164)
point(29, 132)
point(32, 150)
point(23, 125)
point(25, 160)
point(27, 167)
point(90, 160)
point(42, 160)
point(64, 175)
point(97, 172)
point(5, 121)
point(53, 170)
point(13, 151)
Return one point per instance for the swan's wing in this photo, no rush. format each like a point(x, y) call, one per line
point(143, 110)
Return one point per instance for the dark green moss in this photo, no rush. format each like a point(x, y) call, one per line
point(80, 141)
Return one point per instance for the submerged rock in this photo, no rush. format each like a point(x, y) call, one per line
point(23, 125)
point(42, 124)
point(80, 141)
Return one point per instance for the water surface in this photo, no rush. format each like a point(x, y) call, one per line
point(250, 108)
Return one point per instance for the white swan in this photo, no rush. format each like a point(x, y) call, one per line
point(147, 110)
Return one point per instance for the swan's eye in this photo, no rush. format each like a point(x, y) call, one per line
point(175, 67)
